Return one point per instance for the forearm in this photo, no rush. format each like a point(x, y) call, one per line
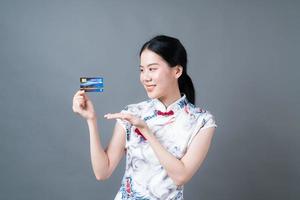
point(174, 167)
point(99, 159)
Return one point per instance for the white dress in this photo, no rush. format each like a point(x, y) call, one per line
point(174, 127)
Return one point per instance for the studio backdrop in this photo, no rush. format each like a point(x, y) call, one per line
point(243, 59)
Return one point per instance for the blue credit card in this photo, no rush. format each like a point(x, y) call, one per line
point(91, 84)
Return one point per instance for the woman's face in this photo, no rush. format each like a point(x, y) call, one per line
point(158, 79)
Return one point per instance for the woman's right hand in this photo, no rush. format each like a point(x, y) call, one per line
point(83, 105)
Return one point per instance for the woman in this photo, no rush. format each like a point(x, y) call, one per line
point(165, 138)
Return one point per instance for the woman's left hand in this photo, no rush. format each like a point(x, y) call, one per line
point(135, 121)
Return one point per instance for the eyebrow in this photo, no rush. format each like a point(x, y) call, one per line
point(149, 65)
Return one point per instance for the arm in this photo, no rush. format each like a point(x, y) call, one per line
point(181, 171)
point(105, 161)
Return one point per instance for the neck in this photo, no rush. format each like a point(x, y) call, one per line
point(170, 98)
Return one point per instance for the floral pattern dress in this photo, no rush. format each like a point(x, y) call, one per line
point(174, 127)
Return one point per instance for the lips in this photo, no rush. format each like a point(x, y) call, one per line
point(150, 87)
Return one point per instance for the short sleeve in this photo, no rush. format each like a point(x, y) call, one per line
point(204, 121)
point(208, 121)
point(125, 124)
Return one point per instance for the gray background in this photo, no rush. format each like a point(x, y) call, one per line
point(243, 59)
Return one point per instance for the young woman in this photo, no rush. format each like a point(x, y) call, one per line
point(165, 138)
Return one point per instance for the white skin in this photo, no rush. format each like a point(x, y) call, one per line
point(160, 81)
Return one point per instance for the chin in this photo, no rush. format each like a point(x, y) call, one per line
point(152, 95)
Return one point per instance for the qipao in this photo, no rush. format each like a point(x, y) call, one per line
point(174, 127)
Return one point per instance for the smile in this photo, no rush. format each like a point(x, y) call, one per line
point(150, 87)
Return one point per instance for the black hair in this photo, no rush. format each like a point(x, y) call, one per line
point(174, 53)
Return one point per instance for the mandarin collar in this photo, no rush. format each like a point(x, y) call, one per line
point(175, 106)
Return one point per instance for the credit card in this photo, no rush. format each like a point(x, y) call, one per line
point(91, 84)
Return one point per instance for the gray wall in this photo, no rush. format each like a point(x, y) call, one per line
point(243, 59)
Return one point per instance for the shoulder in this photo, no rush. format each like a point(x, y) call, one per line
point(200, 114)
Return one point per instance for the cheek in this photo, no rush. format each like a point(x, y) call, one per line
point(163, 76)
point(163, 80)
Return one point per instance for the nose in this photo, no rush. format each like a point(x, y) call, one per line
point(146, 77)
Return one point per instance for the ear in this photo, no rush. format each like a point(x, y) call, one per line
point(178, 69)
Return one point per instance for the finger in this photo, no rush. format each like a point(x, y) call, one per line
point(85, 96)
point(122, 116)
point(79, 92)
point(114, 115)
point(78, 101)
point(79, 98)
point(82, 93)
point(74, 108)
point(108, 116)
point(78, 104)
point(81, 101)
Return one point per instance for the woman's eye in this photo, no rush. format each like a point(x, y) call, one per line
point(141, 70)
point(152, 69)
